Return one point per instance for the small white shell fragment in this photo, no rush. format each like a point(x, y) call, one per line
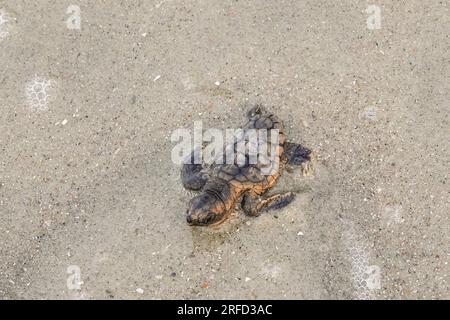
point(64, 122)
point(140, 290)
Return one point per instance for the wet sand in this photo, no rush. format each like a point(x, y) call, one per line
point(86, 178)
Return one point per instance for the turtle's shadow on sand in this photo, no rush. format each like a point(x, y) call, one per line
point(209, 239)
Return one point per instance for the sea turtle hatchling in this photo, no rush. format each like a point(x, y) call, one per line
point(223, 186)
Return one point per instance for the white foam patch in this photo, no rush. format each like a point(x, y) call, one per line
point(39, 92)
point(369, 113)
point(271, 271)
point(366, 277)
point(393, 214)
point(188, 84)
point(4, 26)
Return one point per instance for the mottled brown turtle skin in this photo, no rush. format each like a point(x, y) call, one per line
point(225, 185)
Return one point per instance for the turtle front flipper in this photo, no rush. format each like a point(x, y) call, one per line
point(254, 205)
point(193, 176)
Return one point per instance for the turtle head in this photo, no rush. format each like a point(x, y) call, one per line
point(205, 209)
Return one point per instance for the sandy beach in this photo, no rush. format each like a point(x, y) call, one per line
point(92, 206)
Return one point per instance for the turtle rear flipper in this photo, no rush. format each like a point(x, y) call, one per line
point(296, 154)
point(255, 111)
